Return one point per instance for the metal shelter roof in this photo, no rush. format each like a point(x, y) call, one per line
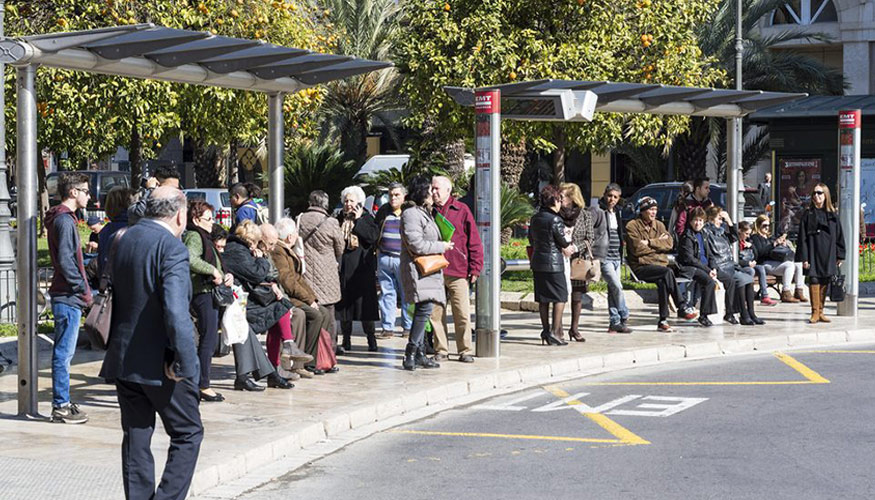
point(196, 57)
point(817, 107)
point(619, 97)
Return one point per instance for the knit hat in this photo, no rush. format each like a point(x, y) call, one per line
point(646, 203)
point(92, 220)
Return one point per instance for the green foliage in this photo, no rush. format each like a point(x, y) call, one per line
point(380, 181)
point(516, 208)
point(474, 43)
point(309, 167)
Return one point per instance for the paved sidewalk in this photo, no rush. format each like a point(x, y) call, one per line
point(248, 431)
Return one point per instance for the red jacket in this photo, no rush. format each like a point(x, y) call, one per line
point(466, 257)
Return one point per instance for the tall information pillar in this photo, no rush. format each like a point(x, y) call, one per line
point(849, 205)
point(487, 108)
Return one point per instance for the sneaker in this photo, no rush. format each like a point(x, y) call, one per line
point(70, 414)
point(619, 328)
point(687, 313)
point(386, 334)
point(663, 326)
point(440, 357)
point(767, 301)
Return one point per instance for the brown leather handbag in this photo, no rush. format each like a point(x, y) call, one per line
point(586, 268)
point(430, 264)
point(99, 319)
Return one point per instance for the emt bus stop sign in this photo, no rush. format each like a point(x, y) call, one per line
point(849, 205)
point(487, 108)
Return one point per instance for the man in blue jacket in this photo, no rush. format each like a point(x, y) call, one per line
point(70, 291)
point(151, 356)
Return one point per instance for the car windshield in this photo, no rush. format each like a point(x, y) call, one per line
point(226, 199)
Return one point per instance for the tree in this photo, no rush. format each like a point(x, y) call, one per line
point(309, 167)
point(366, 30)
point(475, 43)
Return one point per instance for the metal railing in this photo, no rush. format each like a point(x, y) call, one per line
point(9, 291)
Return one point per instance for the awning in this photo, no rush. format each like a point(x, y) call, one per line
point(820, 106)
point(196, 57)
point(619, 97)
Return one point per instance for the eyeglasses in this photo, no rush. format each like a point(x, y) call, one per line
point(84, 190)
point(819, 193)
point(208, 219)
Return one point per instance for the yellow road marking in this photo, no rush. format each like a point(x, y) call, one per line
point(506, 436)
point(836, 352)
point(624, 435)
point(811, 377)
point(806, 372)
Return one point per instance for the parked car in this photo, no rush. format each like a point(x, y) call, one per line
point(100, 184)
point(665, 193)
point(219, 198)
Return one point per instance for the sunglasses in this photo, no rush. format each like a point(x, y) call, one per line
point(819, 193)
point(766, 225)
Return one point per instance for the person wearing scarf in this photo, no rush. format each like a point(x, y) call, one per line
point(206, 274)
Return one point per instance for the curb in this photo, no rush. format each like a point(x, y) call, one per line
point(485, 386)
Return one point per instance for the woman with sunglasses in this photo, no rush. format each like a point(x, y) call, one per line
point(820, 248)
point(778, 260)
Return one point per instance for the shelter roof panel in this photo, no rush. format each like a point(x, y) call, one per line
point(253, 57)
point(199, 50)
point(297, 65)
point(816, 107)
point(342, 70)
point(142, 42)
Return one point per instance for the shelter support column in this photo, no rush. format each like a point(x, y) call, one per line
point(275, 147)
point(26, 178)
point(733, 167)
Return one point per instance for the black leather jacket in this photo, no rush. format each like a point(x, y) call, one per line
point(719, 241)
point(547, 237)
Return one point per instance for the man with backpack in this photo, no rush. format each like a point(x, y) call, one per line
point(245, 206)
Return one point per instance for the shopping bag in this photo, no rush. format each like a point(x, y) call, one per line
point(325, 357)
point(235, 328)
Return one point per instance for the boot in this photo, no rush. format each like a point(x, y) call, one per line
point(750, 300)
point(744, 312)
point(814, 290)
point(409, 362)
point(787, 296)
point(820, 315)
point(800, 295)
point(347, 343)
point(370, 332)
point(424, 361)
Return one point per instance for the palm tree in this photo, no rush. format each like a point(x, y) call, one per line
point(310, 167)
point(352, 104)
point(516, 208)
point(766, 65)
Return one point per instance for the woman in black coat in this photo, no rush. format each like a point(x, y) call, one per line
point(820, 248)
point(693, 262)
point(358, 268)
point(550, 246)
point(266, 309)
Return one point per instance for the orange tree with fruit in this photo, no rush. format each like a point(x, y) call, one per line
point(88, 116)
point(475, 43)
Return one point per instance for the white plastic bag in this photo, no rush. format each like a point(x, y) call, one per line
point(235, 328)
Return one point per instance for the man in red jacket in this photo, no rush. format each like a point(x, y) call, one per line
point(466, 262)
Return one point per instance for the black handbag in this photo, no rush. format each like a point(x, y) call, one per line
point(262, 295)
point(222, 295)
point(837, 288)
point(782, 254)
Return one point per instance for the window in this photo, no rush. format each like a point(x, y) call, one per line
point(805, 12)
point(108, 182)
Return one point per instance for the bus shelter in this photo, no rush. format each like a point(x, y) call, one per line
point(152, 52)
point(578, 101)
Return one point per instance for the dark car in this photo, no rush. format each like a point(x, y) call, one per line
point(666, 193)
point(101, 182)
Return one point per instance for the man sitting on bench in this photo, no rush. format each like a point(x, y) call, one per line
point(648, 245)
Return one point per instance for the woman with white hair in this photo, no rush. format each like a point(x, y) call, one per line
point(358, 268)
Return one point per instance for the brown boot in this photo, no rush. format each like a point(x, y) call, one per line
point(822, 317)
point(800, 295)
point(815, 303)
point(787, 296)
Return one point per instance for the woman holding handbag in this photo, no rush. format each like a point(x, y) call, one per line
point(820, 248)
point(206, 275)
point(579, 221)
point(421, 268)
point(778, 260)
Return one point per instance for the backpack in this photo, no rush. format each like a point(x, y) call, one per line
point(262, 215)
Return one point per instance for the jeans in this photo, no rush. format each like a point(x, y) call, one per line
point(389, 277)
point(66, 334)
point(417, 331)
point(788, 271)
point(760, 273)
point(616, 300)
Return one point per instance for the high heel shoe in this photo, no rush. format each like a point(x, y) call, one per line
point(576, 336)
point(548, 338)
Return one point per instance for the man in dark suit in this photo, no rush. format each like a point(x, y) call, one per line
point(151, 356)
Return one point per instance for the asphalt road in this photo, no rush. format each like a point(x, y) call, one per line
point(759, 426)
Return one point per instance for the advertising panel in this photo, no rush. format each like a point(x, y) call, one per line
point(798, 177)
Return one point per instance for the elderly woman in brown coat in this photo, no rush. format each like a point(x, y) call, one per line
point(323, 245)
point(289, 267)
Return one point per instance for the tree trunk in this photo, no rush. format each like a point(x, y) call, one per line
point(558, 155)
point(208, 166)
point(513, 162)
point(233, 162)
point(454, 152)
point(135, 158)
